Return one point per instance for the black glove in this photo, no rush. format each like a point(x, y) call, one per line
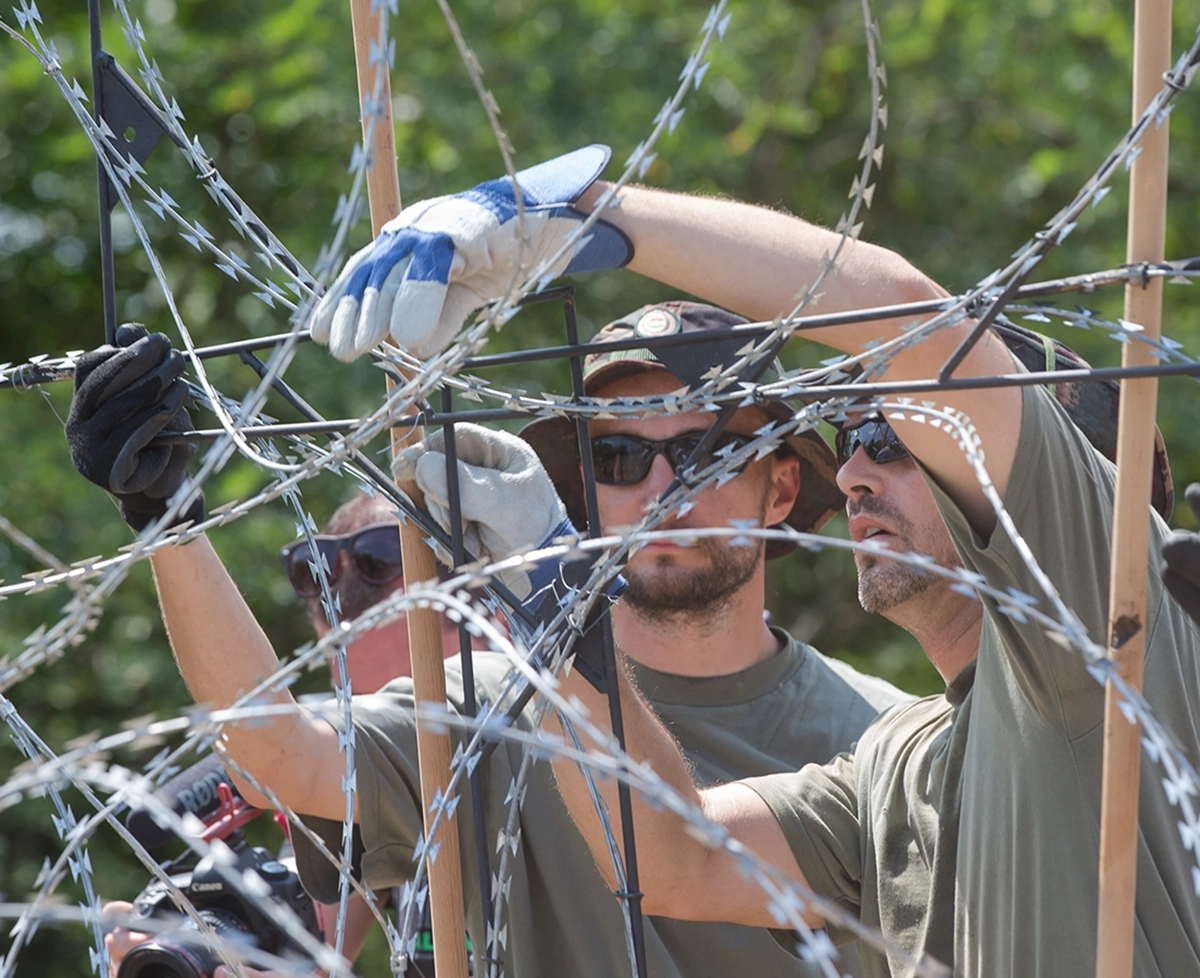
point(125, 395)
point(1181, 561)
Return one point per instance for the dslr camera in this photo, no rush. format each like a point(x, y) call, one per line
point(232, 913)
point(221, 899)
point(182, 952)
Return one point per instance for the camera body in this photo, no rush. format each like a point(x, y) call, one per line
point(231, 912)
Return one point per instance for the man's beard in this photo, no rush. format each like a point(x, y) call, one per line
point(883, 583)
point(692, 595)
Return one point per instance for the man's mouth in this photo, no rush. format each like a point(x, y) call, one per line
point(865, 528)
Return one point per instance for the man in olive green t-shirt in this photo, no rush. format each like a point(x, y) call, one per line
point(963, 827)
point(742, 698)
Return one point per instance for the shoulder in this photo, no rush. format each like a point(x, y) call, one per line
point(878, 693)
point(1059, 498)
point(899, 732)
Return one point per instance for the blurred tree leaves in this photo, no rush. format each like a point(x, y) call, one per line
point(998, 112)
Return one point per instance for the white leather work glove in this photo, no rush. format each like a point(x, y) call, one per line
point(442, 259)
point(507, 500)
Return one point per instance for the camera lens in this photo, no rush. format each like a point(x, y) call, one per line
point(180, 953)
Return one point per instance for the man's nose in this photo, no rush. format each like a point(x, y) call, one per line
point(859, 475)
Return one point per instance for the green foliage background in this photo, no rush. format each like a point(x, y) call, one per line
point(998, 111)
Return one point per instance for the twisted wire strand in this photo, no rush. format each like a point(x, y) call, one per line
point(722, 387)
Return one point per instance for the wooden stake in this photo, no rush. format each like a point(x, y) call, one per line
point(1131, 521)
point(424, 624)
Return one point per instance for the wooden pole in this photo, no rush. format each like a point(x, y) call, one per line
point(424, 624)
point(1131, 522)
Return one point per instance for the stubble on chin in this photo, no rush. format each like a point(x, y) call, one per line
point(885, 584)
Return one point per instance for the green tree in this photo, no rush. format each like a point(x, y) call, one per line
point(997, 113)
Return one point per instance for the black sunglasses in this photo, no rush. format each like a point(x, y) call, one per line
point(877, 439)
point(374, 553)
point(624, 460)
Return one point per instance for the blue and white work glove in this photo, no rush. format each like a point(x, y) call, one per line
point(442, 259)
point(507, 500)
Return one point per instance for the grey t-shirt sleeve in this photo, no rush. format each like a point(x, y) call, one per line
point(389, 793)
point(817, 809)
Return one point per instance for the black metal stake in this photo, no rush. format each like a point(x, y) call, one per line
point(633, 894)
point(466, 653)
point(107, 271)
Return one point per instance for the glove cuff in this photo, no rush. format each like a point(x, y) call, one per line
point(544, 573)
point(139, 511)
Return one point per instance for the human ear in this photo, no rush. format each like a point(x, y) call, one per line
point(785, 487)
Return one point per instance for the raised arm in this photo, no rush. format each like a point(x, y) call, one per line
point(750, 259)
point(680, 876)
point(758, 262)
point(223, 653)
point(124, 397)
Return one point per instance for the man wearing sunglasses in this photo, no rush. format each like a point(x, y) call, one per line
point(361, 545)
point(954, 825)
point(691, 624)
point(964, 826)
point(693, 609)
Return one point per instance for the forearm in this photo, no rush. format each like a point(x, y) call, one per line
point(222, 654)
point(221, 650)
point(759, 262)
point(646, 741)
point(664, 849)
point(679, 875)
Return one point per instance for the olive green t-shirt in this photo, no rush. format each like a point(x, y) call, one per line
point(966, 826)
point(562, 919)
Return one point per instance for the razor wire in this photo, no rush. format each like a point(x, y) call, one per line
point(534, 656)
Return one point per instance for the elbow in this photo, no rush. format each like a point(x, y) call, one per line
point(242, 768)
point(252, 797)
point(290, 761)
point(658, 899)
point(910, 283)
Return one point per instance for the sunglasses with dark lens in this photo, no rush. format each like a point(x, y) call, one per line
point(877, 439)
point(624, 460)
point(374, 554)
